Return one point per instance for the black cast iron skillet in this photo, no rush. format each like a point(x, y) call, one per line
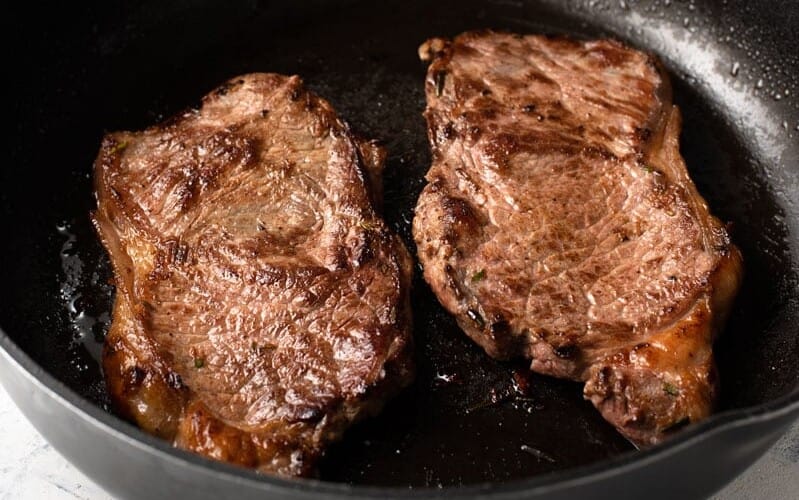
point(80, 70)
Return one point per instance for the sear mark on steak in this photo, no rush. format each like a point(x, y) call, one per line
point(558, 202)
point(262, 305)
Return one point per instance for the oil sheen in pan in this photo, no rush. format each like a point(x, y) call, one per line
point(467, 418)
point(80, 288)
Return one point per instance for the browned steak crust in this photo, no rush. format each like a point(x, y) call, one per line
point(262, 305)
point(559, 222)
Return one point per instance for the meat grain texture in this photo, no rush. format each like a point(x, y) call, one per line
point(559, 223)
point(262, 305)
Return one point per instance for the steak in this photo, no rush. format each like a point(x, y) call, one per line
point(559, 223)
point(262, 305)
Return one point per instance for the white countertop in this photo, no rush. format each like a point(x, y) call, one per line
point(31, 469)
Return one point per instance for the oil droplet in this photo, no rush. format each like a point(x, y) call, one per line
point(759, 84)
point(89, 330)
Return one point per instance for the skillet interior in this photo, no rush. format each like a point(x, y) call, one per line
point(124, 67)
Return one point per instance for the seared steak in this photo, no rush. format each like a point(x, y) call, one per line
point(559, 223)
point(262, 305)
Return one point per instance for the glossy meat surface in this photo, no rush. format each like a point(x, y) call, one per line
point(559, 223)
point(262, 305)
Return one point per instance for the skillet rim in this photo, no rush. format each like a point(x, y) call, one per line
point(108, 423)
